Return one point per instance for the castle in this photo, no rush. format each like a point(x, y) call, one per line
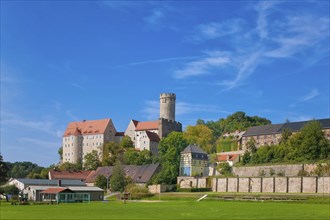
point(81, 138)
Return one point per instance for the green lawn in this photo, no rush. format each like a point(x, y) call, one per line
point(169, 210)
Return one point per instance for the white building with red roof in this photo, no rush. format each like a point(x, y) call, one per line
point(85, 136)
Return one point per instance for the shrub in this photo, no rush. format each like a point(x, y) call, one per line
point(138, 192)
point(194, 190)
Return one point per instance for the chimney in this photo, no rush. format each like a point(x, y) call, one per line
point(59, 183)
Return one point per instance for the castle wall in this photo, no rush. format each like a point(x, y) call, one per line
point(166, 127)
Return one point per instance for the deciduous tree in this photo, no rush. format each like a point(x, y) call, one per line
point(91, 160)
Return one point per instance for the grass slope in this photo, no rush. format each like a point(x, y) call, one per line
point(169, 210)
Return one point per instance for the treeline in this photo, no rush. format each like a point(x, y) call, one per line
point(308, 145)
point(206, 134)
point(209, 135)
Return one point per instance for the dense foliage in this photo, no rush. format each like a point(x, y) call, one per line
point(308, 145)
point(117, 180)
point(169, 149)
point(237, 121)
point(102, 182)
point(200, 135)
point(3, 170)
point(91, 160)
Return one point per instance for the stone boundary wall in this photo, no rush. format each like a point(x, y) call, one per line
point(159, 188)
point(287, 170)
point(273, 170)
point(272, 184)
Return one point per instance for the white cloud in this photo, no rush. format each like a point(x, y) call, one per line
point(162, 60)
point(16, 121)
point(215, 30)
point(263, 10)
point(312, 94)
point(298, 33)
point(151, 110)
point(203, 65)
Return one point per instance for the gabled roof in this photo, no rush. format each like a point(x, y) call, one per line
point(139, 174)
point(76, 175)
point(87, 127)
point(278, 128)
point(296, 126)
point(225, 157)
point(135, 122)
point(264, 129)
point(56, 190)
point(153, 136)
point(147, 125)
point(193, 149)
point(46, 182)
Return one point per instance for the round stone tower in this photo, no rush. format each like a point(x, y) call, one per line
point(167, 106)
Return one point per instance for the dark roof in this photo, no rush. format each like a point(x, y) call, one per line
point(263, 129)
point(278, 128)
point(139, 174)
point(120, 134)
point(72, 175)
point(193, 149)
point(296, 126)
point(153, 136)
point(46, 182)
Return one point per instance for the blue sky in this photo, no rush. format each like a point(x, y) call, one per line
point(64, 61)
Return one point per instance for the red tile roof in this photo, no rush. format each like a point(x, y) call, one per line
point(56, 190)
point(87, 127)
point(224, 157)
point(79, 175)
point(153, 136)
point(147, 125)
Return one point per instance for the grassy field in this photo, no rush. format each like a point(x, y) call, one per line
point(208, 209)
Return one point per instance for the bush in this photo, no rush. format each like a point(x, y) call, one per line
point(138, 192)
point(194, 190)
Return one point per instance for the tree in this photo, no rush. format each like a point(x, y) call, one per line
point(224, 169)
point(22, 169)
point(126, 142)
point(236, 121)
point(3, 170)
point(7, 190)
point(67, 166)
point(246, 158)
point(310, 143)
point(117, 180)
point(200, 135)
point(169, 150)
point(101, 181)
point(91, 160)
point(111, 152)
point(60, 152)
point(251, 145)
point(286, 134)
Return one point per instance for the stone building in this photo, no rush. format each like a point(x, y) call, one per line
point(147, 134)
point(193, 162)
point(271, 134)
